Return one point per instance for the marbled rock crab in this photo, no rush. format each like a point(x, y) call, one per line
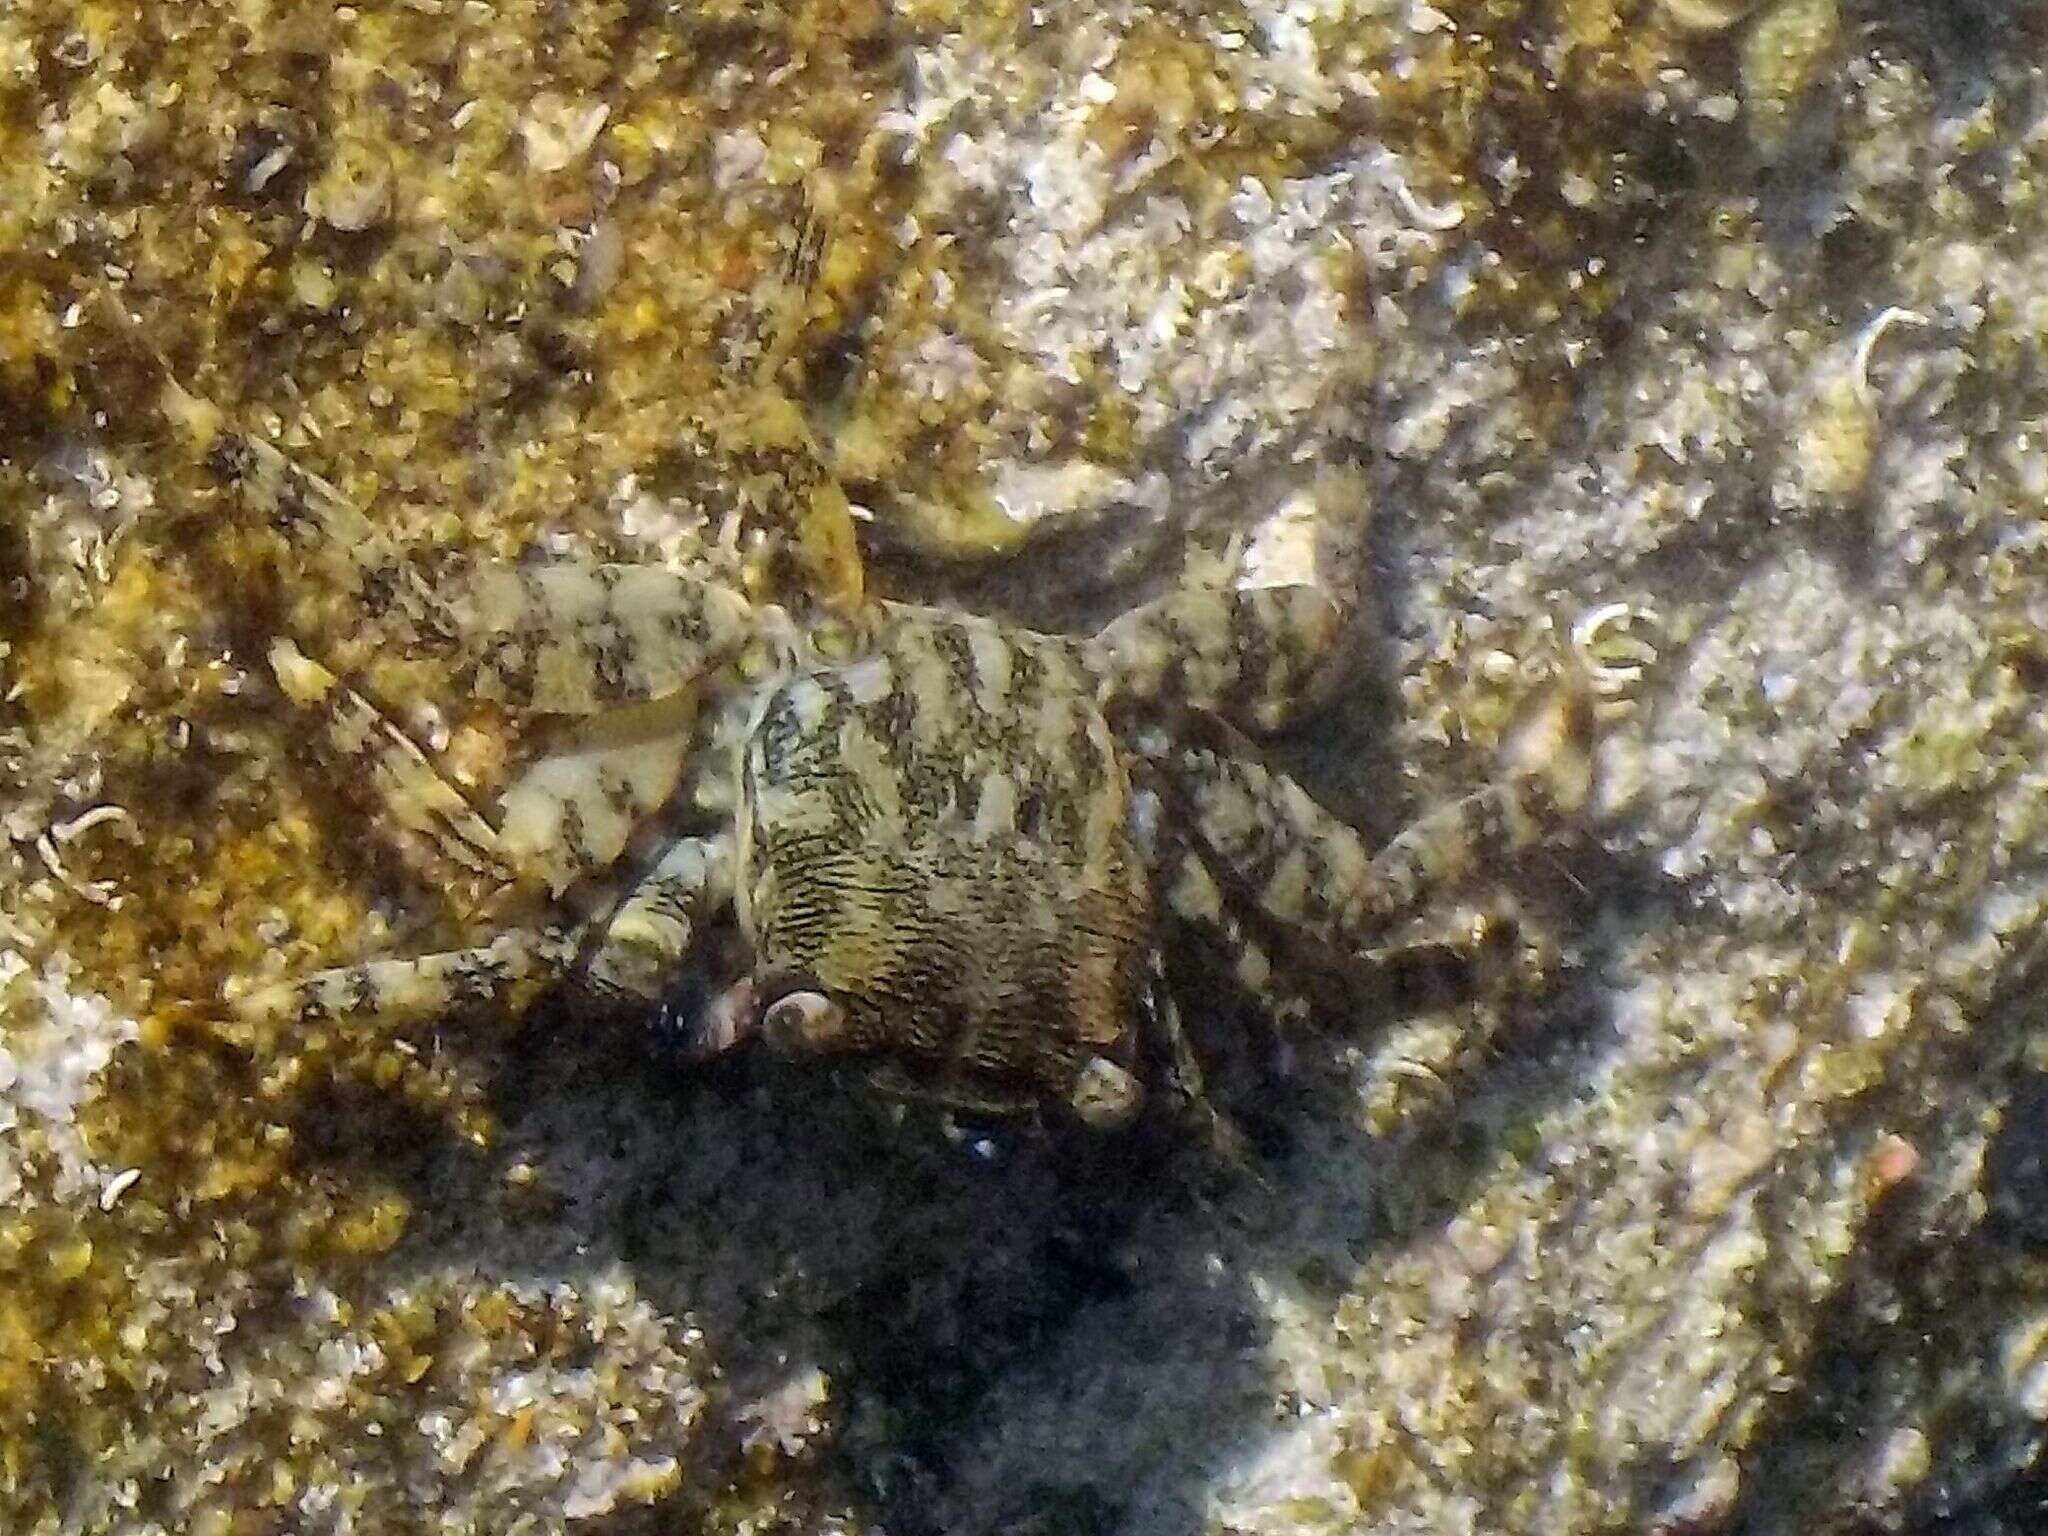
point(955, 849)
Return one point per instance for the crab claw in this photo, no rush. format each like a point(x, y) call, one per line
point(802, 1021)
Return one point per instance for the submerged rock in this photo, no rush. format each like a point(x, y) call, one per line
point(1739, 1230)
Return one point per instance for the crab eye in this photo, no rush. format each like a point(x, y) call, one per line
point(803, 1021)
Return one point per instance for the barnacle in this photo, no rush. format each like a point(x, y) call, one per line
point(1837, 442)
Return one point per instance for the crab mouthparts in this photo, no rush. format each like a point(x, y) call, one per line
point(730, 1018)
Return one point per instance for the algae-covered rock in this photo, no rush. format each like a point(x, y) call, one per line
point(1723, 318)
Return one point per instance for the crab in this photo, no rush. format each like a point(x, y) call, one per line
point(959, 854)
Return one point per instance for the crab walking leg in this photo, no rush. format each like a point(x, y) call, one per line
point(1305, 869)
point(787, 307)
point(1162, 1016)
point(773, 437)
point(1191, 894)
point(562, 637)
point(1473, 955)
point(573, 638)
point(400, 991)
point(1246, 654)
point(343, 550)
point(572, 812)
point(399, 780)
point(1481, 953)
point(773, 446)
point(568, 815)
point(1189, 1094)
point(652, 931)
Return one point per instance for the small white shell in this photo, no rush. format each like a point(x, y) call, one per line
point(118, 1186)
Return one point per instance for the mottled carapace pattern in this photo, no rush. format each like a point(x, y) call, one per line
point(937, 838)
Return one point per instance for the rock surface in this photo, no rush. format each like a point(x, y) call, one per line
point(1731, 313)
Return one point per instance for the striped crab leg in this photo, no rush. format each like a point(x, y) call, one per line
point(562, 637)
point(1246, 654)
point(406, 990)
point(1302, 868)
point(616, 649)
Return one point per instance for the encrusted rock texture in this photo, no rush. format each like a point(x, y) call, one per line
point(1728, 311)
